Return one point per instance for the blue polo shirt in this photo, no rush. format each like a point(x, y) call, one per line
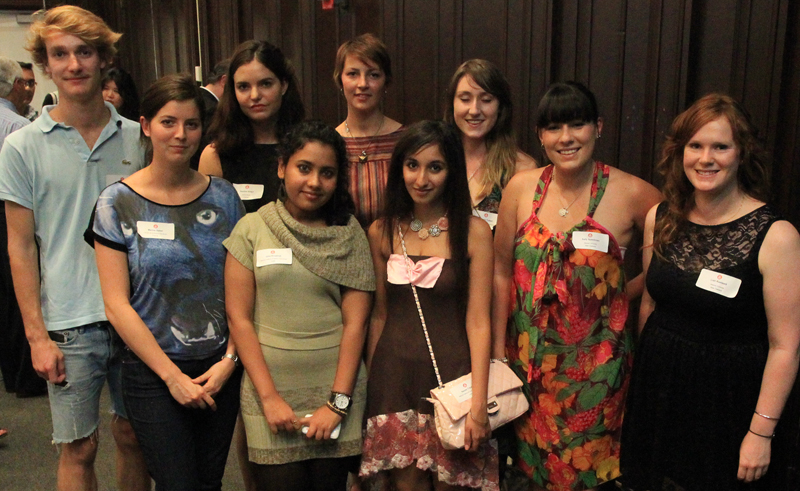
point(48, 168)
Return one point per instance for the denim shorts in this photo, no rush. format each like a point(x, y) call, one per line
point(91, 356)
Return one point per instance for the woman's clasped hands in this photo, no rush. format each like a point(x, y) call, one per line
point(281, 417)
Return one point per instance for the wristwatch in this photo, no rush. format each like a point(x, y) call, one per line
point(339, 403)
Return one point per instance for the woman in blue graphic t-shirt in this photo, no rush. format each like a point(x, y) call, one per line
point(158, 237)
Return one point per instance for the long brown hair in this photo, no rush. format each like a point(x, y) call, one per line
point(753, 173)
point(230, 129)
point(501, 143)
point(399, 205)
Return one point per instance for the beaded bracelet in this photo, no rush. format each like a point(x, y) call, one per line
point(336, 409)
point(501, 360)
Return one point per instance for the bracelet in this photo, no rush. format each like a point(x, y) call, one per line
point(232, 357)
point(501, 360)
point(768, 437)
point(482, 423)
point(336, 409)
point(772, 418)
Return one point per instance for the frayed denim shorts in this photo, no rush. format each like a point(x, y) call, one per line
point(91, 356)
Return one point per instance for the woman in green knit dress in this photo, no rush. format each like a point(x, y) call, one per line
point(302, 275)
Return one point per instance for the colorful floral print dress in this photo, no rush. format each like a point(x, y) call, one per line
point(567, 340)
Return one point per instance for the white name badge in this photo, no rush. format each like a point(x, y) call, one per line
point(719, 283)
point(112, 178)
point(265, 257)
point(487, 216)
point(249, 191)
point(594, 241)
point(156, 230)
point(463, 391)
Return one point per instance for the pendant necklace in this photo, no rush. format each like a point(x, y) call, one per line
point(564, 210)
point(362, 158)
point(435, 230)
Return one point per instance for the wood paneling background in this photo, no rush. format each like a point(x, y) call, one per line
point(645, 60)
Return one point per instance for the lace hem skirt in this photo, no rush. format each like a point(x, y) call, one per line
point(398, 440)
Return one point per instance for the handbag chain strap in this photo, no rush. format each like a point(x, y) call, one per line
point(419, 307)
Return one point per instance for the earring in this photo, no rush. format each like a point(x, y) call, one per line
point(542, 144)
point(598, 136)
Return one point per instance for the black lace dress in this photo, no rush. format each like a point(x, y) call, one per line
point(697, 370)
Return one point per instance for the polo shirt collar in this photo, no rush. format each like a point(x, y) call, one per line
point(46, 124)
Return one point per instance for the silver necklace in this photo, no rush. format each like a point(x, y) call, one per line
point(363, 156)
point(564, 210)
point(474, 172)
point(435, 230)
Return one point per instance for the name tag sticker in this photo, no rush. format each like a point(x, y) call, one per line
point(265, 257)
point(719, 283)
point(156, 230)
point(594, 241)
point(487, 216)
point(112, 178)
point(463, 391)
point(249, 191)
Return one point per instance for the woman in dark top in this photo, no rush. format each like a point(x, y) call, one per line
point(120, 90)
point(720, 323)
point(261, 101)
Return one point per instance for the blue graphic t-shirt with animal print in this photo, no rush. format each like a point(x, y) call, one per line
point(176, 276)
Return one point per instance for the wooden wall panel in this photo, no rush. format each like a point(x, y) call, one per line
point(645, 61)
point(419, 75)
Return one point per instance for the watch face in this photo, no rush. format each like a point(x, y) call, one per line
point(341, 401)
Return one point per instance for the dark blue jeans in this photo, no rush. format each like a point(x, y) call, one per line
point(185, 449)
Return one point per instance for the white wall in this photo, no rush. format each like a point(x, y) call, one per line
point(12, 39)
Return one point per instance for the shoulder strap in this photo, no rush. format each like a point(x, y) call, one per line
point(599, 181)
point(541, 187)
point(419, 307)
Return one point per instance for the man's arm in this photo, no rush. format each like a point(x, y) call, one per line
point(48, 361)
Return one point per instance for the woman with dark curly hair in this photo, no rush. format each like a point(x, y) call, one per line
point(720, 315)
point(303, 278)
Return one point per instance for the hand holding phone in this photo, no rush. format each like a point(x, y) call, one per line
point(334, 433)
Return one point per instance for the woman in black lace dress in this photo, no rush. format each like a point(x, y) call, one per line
point(718, 352)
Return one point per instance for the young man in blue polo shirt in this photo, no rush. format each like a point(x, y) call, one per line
point(51, 173)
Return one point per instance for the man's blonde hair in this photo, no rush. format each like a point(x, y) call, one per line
point(69, 19)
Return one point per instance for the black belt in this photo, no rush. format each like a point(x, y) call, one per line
point(60, 337)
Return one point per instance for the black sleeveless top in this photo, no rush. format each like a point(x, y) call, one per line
point(699, 362)
point(731, 249)
point(255, 165)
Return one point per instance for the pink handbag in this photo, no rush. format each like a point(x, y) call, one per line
point(452, 401)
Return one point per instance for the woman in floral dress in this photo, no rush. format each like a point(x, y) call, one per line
point(559, 247)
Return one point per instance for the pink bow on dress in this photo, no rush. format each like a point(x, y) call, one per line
point(424, 272)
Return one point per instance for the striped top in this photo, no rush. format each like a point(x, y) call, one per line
point(368, 178)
